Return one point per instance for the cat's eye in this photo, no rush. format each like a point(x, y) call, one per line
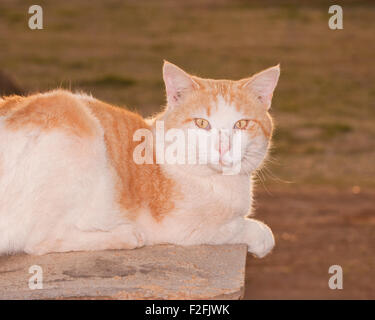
point(241, 124)
point(202, 123)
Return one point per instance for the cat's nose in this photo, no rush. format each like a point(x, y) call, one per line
point(222, 144)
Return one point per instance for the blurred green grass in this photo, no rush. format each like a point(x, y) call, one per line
point(324, 106)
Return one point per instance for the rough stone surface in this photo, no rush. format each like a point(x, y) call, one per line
point(158, 272)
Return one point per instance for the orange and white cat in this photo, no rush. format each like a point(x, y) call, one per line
point(68, 180)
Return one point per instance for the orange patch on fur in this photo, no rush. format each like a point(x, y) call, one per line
point(57, 110)
point(9, 104)
point(137, 185)
point(265, 131)
point(187, 120)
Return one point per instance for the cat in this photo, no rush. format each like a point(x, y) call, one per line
point(69, 182)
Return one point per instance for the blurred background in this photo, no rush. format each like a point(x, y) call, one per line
point(317, 191)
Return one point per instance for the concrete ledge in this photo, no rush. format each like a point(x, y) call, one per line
point(158, 272)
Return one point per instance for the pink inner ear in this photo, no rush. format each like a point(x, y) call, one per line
point(177, 95)
point(266, 99)
point(177, 82)
point(172, 93)
point(175, 98)
point(263, 84)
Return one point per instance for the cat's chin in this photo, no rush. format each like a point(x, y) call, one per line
point(195, 170)
point(231, 169)
point(204, 170)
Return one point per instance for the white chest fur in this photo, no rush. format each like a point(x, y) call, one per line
point(231, 195)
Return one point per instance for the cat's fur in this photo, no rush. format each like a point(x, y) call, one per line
point(68, 180)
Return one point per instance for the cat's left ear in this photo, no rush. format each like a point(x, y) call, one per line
point(263, 84)
point(178, 83)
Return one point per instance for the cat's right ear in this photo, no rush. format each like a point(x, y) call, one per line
point(263, 84)
point(177, 83)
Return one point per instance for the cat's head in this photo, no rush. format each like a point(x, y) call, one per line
point(233, 113)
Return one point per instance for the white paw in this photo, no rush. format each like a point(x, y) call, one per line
point(262, 241)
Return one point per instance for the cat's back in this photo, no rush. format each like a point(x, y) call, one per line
point(55, 110)
point(67, 134)
point(76, 114)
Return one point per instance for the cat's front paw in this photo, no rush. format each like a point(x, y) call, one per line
point(262, 239)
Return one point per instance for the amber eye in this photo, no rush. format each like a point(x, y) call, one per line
point(241, 124)
point(202, 123)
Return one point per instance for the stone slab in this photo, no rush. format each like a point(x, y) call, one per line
point(157, 272)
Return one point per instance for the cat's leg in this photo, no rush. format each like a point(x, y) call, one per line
point(124, 236)
point(258, 236)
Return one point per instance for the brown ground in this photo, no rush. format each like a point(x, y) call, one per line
point(313, 231)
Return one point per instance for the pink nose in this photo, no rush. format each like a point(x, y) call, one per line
point(223, 145)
